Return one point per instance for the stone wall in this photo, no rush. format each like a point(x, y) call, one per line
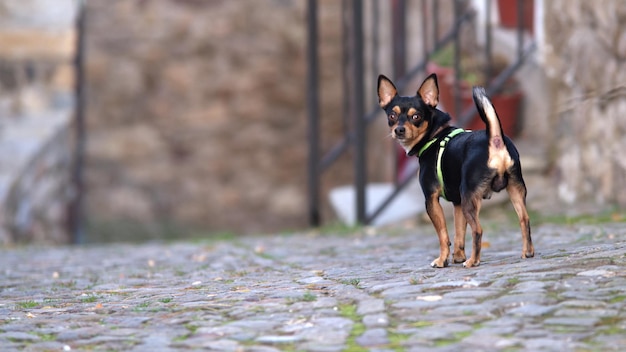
point(585, 59)
point(36, 104)
point(196, 114)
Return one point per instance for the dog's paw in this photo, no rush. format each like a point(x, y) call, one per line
point(439, 263)
point(528, 253)
point(458, 257)
point(470, 263)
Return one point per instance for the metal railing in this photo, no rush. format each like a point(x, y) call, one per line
point(353, 42)
point(75, 208)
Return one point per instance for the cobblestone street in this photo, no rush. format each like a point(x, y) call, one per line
point(361, 290)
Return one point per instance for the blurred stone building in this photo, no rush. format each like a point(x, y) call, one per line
point(37, 48)
point(196, 111)
point(196, 114)
point(585, 60)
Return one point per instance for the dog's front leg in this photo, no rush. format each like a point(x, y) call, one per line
point(435, 213)
point(460, 225)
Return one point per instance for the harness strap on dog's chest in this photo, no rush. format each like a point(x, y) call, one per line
point(442, 147)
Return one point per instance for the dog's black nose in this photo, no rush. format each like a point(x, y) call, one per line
point(399, 131)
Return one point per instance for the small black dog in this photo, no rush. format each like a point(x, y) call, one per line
point(460, 166)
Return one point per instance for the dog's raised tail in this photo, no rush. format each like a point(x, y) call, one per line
point(489, 116)
point(499, 157)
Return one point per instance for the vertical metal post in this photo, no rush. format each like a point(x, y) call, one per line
point(75, 212)
point(312, 99)
point(345, 64)
point(398, 40)
point(356, 109)
point(424, 19)
point(457, 58)
point(488, 41)
point(435, 4)
point(520, 29)
point(375, 32)
point(398, 37)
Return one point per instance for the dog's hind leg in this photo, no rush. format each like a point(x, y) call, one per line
point(517, 193)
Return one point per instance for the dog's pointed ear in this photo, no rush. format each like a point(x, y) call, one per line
point(386, 91)
point(429, 91)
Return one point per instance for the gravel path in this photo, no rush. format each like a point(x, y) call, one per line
point(362, 291)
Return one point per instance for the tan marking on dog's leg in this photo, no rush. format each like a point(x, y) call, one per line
point(435, 212)
point(460, 225)
point(471, 209)
point(517, 193)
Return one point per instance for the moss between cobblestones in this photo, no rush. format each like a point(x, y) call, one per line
point(349, 311)
point(562, 253)
point(564, 329)
point(396, 340)
point(50, 301)
point(351, 345)
point(606, 216)
point(191, 329)
point(358, 328)
point(513, 281)
point(142, 306)
point(309, 297)
point(610, 326)
point(415, 281)
point(238, 273)
point(593, 344)
point(617, 299)
point(284, 347)
point(27, 304)
point(89, 299)
point(512, 349)
point(422, 324)
point(266, 255)
point(46, 337)
point(354, 282)
point(306, 297)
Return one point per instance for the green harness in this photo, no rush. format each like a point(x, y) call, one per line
point(442, 146)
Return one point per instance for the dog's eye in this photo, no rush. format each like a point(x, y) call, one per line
point(393, 117)
point(415, 117)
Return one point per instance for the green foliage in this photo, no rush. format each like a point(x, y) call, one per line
point(27, 304)
point(89, 299)
point(309, 297)
point(444, 57)
point(354, 282)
